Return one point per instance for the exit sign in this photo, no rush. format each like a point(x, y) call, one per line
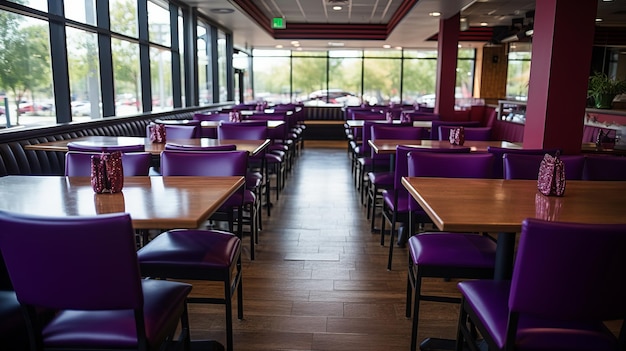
point(279, 23)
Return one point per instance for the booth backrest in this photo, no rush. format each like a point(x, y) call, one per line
point(16, 160)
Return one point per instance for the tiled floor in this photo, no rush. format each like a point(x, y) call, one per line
point(319, 280)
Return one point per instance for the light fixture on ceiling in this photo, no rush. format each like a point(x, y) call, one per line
point(484, 24)
point(222, 11)
point(335, 44)
point(337, 8)
point(599, 20)
point(386, 46)
point(435, 14)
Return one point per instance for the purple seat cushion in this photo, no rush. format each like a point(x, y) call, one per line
point(452, 249)
point(381, 179)
point(489, 299)
point(163, 303)
point(191, 250)
point(403, 201)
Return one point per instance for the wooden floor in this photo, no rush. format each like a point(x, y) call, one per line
point(319, 280)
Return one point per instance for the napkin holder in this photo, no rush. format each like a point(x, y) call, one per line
point(457, 136)
point(157, 132)
point(107, 173)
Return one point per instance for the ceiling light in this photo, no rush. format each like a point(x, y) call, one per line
point(295, 42)
point(279, 46)
point(335, 44)
point(337, 8)
point(435, 14)
point(484, 24)
point(222, 11)
point(386, 46)
point(398, 47)
point(599, 20)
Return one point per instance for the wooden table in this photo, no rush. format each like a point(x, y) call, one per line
point(152, 202)
point(352, 123)
point(388, 146)
point(497, 205)
point(252, 146)
point(214, 124)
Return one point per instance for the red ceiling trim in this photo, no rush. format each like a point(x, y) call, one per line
point(325, 30)
point(480, 34)
point(402, 11)
point(332, 31)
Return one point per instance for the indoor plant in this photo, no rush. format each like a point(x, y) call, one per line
point(604, 89)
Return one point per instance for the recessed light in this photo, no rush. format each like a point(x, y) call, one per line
point(484, 24)
point(386, 46)
point(599, 20)
point(295, 42)
point(279, 46)
point(337, 8)
point(398, 47)
point(435, 14)
point(222, 11)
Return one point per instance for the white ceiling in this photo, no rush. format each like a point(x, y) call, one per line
point(412, 31)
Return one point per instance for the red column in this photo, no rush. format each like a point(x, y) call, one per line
point(560, 64)
point(448, 41)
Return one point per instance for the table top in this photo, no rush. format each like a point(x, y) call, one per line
point(215, 124)
point(360, 122)
point(497, 205)
point(388, 146)
point(152, 202)
point(252, 146)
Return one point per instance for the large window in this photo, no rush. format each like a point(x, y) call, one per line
point(160, 58)
point(84, 74)
point(126, 76)
point(272, 76)
point(25, 71)
point(419, 76)
point(222, 58)
point(205, 76)
point(518, 73)
point(353, 77)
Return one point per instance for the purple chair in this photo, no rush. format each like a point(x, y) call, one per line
point(520, 166)
point(396, 200)
point(445, 255)
point(604, 167)
point(471, 133)
point(210, 255)
point(377, 181)
point(78, 164)
point(498, 153)
point(190, 131)
point(434, 130)
point(567, 279)
point(209, 132)
point(266, 162)
point(179, 147)
point(78, 146)
point(114, 309)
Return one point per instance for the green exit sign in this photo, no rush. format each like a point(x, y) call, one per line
point(279, 23)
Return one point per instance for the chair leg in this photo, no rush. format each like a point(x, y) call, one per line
point(229, 316)
point(416, 310)
point(391, 238)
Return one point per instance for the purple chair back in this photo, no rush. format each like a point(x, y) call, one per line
point(182, 131)
point(520, 166)
point(179, 147)
point(498, 153)
point(254, 130)
point(402, 157)
point(450, 165)
point(211, 117)
point(570, 271)
point(77, 146)
point(77, 263)
point(402, 164)
point(604, 167)
point(434, 130)
point(78, 164)
point(275, 133)
point(204, 163)
point(397, 131)
point(471, 133)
